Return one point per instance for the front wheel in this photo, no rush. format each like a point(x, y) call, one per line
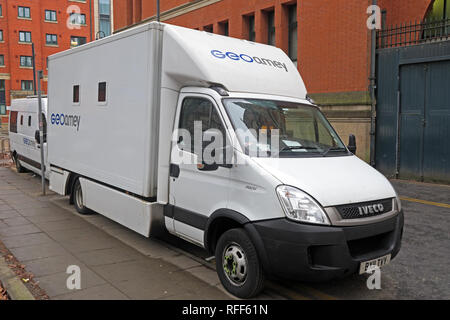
point(238, 265)
point(78, 198)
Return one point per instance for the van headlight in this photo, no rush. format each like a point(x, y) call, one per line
point(299, 206)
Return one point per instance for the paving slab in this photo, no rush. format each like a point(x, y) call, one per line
point(101, 292)
point(39, 251)
point(26, 240)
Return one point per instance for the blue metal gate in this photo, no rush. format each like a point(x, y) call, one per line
point(413, 112)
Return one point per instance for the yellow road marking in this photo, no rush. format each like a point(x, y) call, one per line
point(285, 292)
point(315, 293)
point(431, 203)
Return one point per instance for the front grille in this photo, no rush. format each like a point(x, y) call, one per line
point(364, 209)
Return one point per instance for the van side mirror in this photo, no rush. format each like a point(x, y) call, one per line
point(352, 143)
point(37, 136)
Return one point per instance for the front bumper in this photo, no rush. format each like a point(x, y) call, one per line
point(320, 253)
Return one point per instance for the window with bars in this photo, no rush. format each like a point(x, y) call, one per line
point(25, 36)
point(50, 15)
point(51, 39)
point(27, 85)
point(26, 61)
point(24, 12)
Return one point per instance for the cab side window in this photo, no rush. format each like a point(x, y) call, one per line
point(198, 109)
point(29, 121)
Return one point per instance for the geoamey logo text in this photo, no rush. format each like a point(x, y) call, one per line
point(66, 120)
point(246, 58)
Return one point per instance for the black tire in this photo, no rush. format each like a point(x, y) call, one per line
point(77, 196)
point(235, 243)
point(19, 167)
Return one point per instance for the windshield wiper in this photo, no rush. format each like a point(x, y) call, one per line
point(334, 149)
point(289, 148)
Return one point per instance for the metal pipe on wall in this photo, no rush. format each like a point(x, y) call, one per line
point(372, 92)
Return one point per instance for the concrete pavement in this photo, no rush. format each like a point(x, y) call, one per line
point(48, 239)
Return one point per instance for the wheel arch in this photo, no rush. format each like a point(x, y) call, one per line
point(225, 219)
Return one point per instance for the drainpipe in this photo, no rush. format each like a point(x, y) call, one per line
point(90, 19)
point(373, 108)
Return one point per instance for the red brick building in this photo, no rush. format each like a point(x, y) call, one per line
point(52, 26)
point(329, 40)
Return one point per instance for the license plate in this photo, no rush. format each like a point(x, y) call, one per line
point(379, 262)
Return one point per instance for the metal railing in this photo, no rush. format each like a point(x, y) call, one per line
point(413, 33)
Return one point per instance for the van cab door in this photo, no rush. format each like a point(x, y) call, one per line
point(195, 193)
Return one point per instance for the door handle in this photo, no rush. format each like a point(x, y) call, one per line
point(174, 170)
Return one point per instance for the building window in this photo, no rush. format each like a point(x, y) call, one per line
point(29, 121)
point(24, 12)
point(293, 33)
point(104, 8)
point(25, 36)
point(1, 35)
point(51, 39)
point(2, 60)
point(26, 61)
point(1, 11)
point(224, 28)
point(50, 15)
point(251, 28)
point(78, 19)
point(3, 99)
point(271, 28)
point(102, 92)
point(208, 28)
point(76, 94)
point(27, 85)
point(77, 41)
point(13, 120)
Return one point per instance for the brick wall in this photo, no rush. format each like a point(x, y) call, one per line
point(12, 49)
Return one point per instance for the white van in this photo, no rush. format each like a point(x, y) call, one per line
point(24, 134)
point(127, 117)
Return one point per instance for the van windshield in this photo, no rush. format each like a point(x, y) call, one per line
point(269, 128)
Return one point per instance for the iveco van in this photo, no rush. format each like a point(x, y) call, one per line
point(127, 112)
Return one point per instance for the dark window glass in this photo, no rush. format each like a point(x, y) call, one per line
point(271, 28)
point(77, 41)
point(224, 28)
point(76, 94)
point(251, 28)
point(2, 60)
point(21, 120)
point(13, 122)
point(1, 35)
point(293, 33)
point(102, 92)
point(29, 121)
point(198, 109)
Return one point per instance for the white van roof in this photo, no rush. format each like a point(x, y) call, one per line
point(198, 58)
point(28, 105)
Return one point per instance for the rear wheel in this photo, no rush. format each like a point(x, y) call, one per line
point(77, 196)
point(238, 265)
point(19, 167)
